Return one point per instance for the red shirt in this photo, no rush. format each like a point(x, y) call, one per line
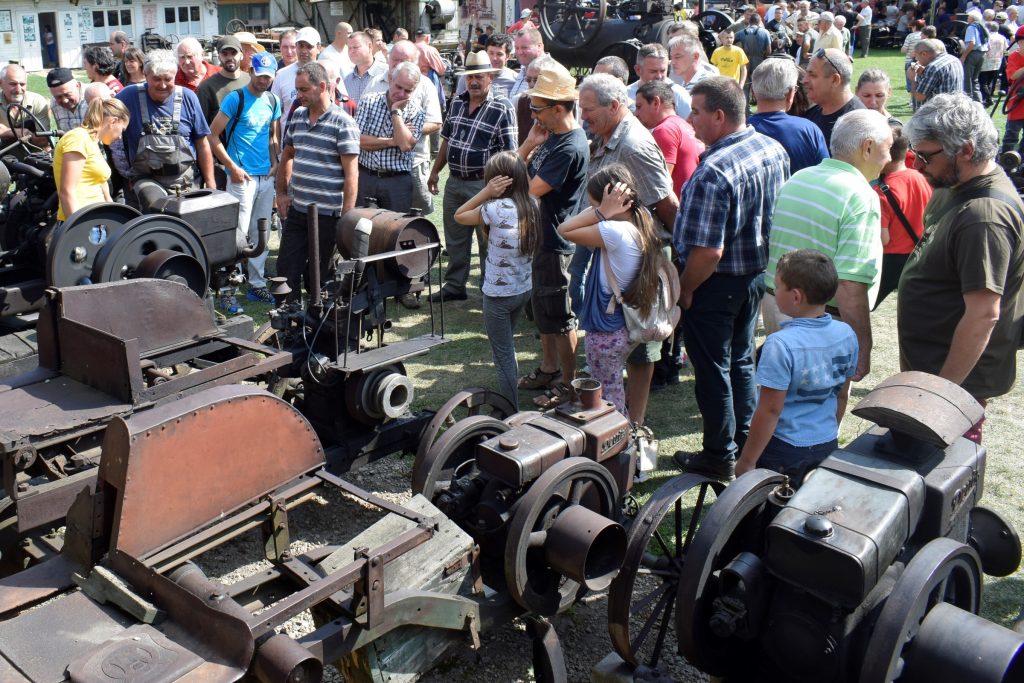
point(114, 85)
point(179, 78)
point(680, 146)
point(1015, 61)
point(912, 192)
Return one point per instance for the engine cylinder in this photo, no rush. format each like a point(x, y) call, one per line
point(391, 231)
point(586, 547)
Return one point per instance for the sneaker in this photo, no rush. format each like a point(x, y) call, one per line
point(701, 463)
point(261, 294)
point(409, 300)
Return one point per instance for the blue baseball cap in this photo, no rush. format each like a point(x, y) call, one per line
point(263, 64)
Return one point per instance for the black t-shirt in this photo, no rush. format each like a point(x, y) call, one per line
point(828, 121)
point(561, 162)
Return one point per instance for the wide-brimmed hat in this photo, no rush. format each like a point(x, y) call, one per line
point(247, 38)
point(554, 83)
point(479, 63)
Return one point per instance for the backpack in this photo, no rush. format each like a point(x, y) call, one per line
point(661, 322)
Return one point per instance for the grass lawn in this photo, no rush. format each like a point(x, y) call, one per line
point(465, 361)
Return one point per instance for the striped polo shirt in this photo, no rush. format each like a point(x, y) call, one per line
point(832, 209)
point(317, 175)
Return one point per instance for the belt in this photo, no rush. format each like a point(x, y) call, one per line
point(469, 176)
point(831, 310)
point(381, 174)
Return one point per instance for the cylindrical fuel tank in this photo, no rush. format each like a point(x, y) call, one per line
point(392, 231)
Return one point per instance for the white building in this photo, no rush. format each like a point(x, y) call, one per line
point(74, 23)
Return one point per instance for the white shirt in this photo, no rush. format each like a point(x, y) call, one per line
point(425, 96)
point(284, 86)
point(682, 97)
point(865, 17)
point(340, 58)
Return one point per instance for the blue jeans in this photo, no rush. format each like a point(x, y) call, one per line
point(718, 332)
point(794, 461)
point(1011, 136)
point(500, 316)
point(577, 277)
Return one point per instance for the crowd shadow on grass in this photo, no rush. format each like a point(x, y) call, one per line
point(1003, 599)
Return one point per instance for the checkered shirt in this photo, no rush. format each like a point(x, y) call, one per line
point(474, 137)
point(374, 118)
point(728, 202)
point(945, 74)
point(356, 84)
point(66, 120)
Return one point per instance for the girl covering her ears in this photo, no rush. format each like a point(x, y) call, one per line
point(512, 223)
point(616, 224)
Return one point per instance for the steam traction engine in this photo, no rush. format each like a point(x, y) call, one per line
point(871, 572)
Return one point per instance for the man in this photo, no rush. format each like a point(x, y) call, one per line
point(338, 50)
point(14, 84)
point(832, 209)
point(655, 108)
point(756, 44)
point(1011, 18)
point(652, 65)
point(973, 54)
point(479, 124)
point(803, 13)
point(231, 77)
point(774, 85)
point(685, 53)
point(307, 47)
point(427, 101)
point(499, 49)
point(744, 20)
point(377, 46)
point(364, 67)
point(318, 166)
point(828, 34)
point(399, 35)
point(619, 137)
point(390, 124)
point(529, 46)
point(249, 117)
point(960, 307)
point(68, 103)
point(170, 112)
point(935, 72)
point(840, 25)
point(721, 238)
point(118, 44)
point(556, 150)
point(613, 66)
point(97, 91)
point(864, 27)
point(827, 84)
point(192, 68)
point(289, 51)
point(100, 65)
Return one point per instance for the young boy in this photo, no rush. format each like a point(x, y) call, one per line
point(804, 373)
point(731, 60)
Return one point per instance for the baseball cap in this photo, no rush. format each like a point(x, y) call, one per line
point(1019, 35)
point(263, 64)
point(526, 13)
point(59, 76)
point(1001, 16)
point(308, 35)
point(227, 42)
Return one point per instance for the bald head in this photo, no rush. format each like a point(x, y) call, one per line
point(97, 91)
point(403, 51)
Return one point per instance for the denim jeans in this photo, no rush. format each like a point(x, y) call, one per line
point(500, 316)
point(1011, 136)
point(577, 276)
point(458, 239)
point(718, 331)
point(972, 74)
point(255, 201)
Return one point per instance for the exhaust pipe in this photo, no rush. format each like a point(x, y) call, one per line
point(586, 547)
point(263, 235)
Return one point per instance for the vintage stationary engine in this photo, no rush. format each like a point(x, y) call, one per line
point(540, 493)
point(871, 572)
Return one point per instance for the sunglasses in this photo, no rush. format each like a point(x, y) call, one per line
point(925, 157)
point(821, 54)
point(540, 109)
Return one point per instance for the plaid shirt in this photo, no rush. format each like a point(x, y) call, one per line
point(474, 137)
point(356, 84)
point(66, 120)
point(728, 202)
point(374, 118)
point(945, 74)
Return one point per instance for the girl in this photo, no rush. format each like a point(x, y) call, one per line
point(512, 220)
point(79, 165)
point(618, 225)
point(133, 61)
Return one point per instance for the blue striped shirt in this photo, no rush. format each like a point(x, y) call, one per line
point(728, 202)
point(317, 175)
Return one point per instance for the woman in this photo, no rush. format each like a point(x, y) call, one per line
point(873, 90)
point(134, 58)
point(79, 165)
point(100, 66)
point(622, 234)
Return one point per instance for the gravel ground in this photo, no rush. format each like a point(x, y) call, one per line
point(505, 655)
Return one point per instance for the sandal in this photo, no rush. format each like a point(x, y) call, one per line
point(538, 379)
point(555, 396)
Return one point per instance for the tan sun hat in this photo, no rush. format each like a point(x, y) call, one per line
point(478, 63)
point(247, 38)
point(554, 83)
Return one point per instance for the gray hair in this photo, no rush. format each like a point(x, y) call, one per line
point(840, 63)
point(686, 41)
point(160, 63)
point(97, 91)
point(190, 44)
point(409, 69)
point(873, 75)
point(773, 79)
point(828, 17)
point(854, 128)
point(953, 120)
point(545, 62)
point(606, 89)
point(652, 50)
point(930, 45)
point(316, 73)
point(616, 66)
point(8, 67)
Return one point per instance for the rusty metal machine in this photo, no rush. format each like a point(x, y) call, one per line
point(871, 572)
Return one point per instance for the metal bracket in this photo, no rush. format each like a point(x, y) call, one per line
point(275, 530)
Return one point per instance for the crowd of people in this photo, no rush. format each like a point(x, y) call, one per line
point(779, 188)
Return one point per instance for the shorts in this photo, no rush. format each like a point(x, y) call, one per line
point(794, 461)
point(552, 310)
point(645, 353)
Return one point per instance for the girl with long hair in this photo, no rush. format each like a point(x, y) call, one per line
point(621, 231)
point(512, 223)
point(79, 165)
point(133, 59)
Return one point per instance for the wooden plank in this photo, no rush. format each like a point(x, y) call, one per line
point(403, 655)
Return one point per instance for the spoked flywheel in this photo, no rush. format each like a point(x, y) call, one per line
point(572, 23)
point(453, 454)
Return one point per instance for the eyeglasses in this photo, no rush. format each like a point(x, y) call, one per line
point(821, 54)
point(925, 157)
point(536, 110)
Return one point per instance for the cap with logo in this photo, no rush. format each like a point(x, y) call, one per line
point(264, 64)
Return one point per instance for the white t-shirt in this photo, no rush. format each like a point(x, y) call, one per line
point(284, 86)
point(425, 96)
point(340, 57)
point(508, 270)
point(620, 241)
point(865, 15)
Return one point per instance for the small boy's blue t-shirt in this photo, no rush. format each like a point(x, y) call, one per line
point(810, 359)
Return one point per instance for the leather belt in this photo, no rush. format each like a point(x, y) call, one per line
point(469, 176)
point(381, 174)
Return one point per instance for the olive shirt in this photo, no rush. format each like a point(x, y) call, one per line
point(966, 246)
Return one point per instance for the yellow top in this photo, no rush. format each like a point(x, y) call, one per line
point(729, 60)
point(95, 173)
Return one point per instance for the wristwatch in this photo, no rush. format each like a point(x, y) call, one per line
point(396, 112)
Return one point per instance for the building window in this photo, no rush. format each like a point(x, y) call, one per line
point(103, 23)
point(185, 20)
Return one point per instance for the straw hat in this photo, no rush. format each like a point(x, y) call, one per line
point(247, 38)
point(479, 63)
point(554, 83)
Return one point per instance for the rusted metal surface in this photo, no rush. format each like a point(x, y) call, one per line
point(33, 585)
point(155, 505)
point(392, 233)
